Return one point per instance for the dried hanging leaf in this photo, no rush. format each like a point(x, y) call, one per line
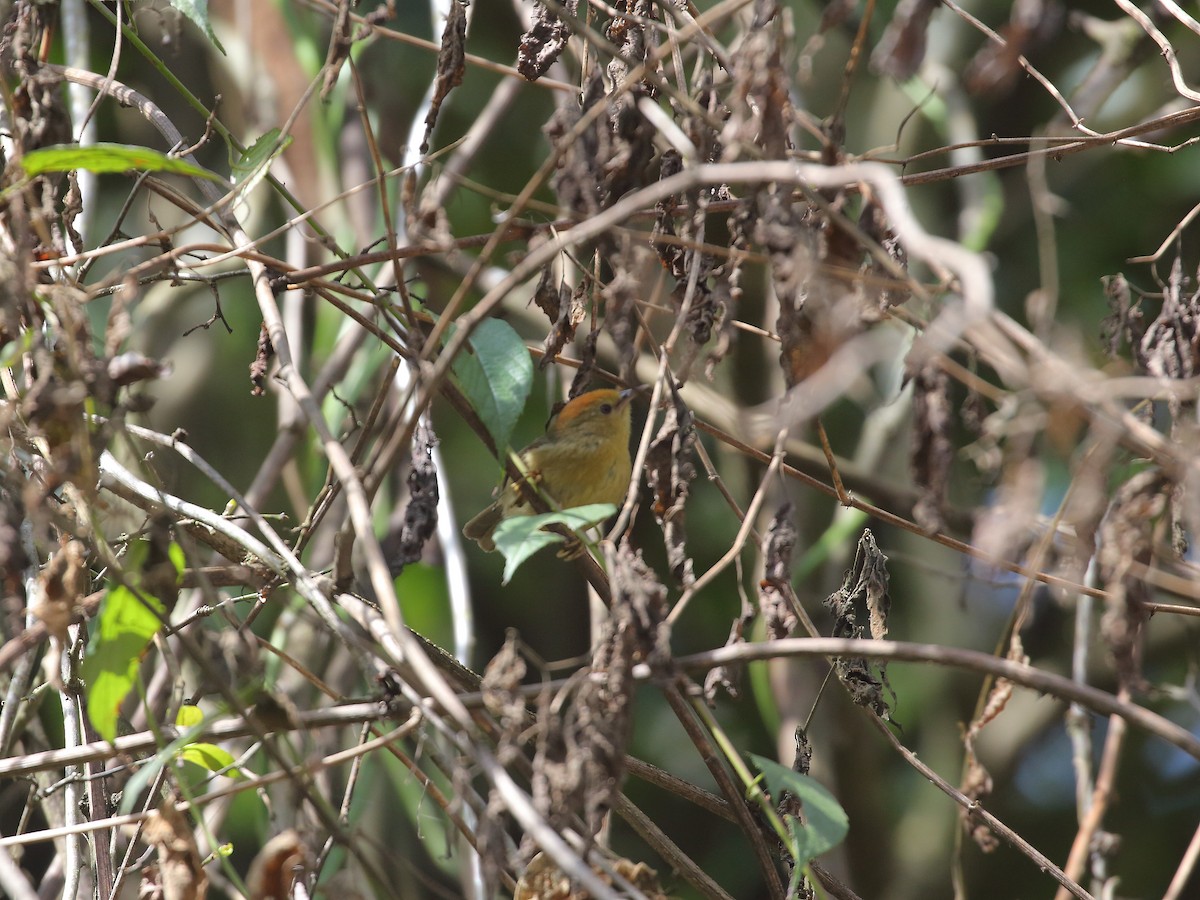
point(669, 473)
point(1170, 347)
point(977, 781)
point(577, 178)
point(788, 804)
point(180, 875)
point(1125, 323)
point(262, 362)
point(760, 107)
point(729, 678)
point(773, 590)
point(932, 450)
point(570, 311)
point(421, 513)
point(1126, 539)
point(878, 287)
point(587, 363)
point(664, 235)
point(550, 290)
point(867, 582)
point(629, 34)
point(691, 268)
point(502, 697)
point(579, 764)
point(630, 147)
point(451, 64)
point(621, 295)
point(728, 277)
point(545, 40)
point(63, 583)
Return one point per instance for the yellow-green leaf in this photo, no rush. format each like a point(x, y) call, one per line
point(211, 757)
point(102, 158)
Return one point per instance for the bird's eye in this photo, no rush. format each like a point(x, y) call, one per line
point(606, 408)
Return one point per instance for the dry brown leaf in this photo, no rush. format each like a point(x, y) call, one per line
point(282, 861)
point(180, 875)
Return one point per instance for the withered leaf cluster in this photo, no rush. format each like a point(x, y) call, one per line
point(1126, 541)
point(669, 473)
point(864, 587)
point(774, 591)
point(545, 40)
point(584, 730)
point(420, 515)
point(932, 448)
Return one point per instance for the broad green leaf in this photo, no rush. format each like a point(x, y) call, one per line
point(496, 376)
point(519, 537)
point(103, 158)
point(211, 757)
point(826, 824)
point(124, 628)
point(197, 11)
point(126, 625)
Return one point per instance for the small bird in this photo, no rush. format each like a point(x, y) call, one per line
point(582, 458)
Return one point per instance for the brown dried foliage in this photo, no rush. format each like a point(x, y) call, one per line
point(584, 730)
point(774, 591)
point(865, 587)
point(669, 473)
point(545, 40)
point(932, 448)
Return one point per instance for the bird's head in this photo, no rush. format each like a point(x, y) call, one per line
point(596, 412)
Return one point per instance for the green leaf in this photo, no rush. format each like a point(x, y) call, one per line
point(210, 757)
point(128, 619)
point(254, 164)
point(519, 537)
point(495, 377)
point(148, 769)
point(125, 626)
point(197, 11)
point(102, 158)
point(827, 822)
point(188, 716)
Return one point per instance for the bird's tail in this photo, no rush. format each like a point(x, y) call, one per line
point(480, 528)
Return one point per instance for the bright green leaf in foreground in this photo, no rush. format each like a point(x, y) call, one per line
point(102, 158)
point(126, 625)
point(826, 822)
point(496, 376)
point(129, 618)
point(519, 537)
point(207, 756)
point(210, 757)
